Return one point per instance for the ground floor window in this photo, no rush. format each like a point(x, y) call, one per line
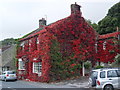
point(21, 65)
point(37, 67)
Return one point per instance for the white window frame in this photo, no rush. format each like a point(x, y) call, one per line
point(96, 47)
point(22, 45)
point(104, 45)
point(21, 64)
point(29, 42)
point(35, 59)
point(37, 68)
point(37, 41)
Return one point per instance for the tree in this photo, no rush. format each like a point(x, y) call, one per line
point(94, 25)
point(111, 21)
point(8, 41)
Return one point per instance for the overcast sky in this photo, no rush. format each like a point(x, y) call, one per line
point(19, 17)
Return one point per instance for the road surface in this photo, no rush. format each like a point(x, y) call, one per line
point(25, 85)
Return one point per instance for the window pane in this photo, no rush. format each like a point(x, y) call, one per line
point(112, 73)
point(118, 72)
point(11, 72)
point(94, 74)
point(102, 74)
point(21, 65)
point(37, 67)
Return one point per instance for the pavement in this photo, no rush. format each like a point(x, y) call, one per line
point(81, 82)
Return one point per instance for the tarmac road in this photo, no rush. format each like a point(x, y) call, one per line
point(25, 85)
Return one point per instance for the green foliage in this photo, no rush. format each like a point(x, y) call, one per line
point(15, 60)
point(87, 65)
point(111, 21)
point(98, 67)
point(94, 25)
point(56, 58)
point(8, 41)
point(62, 68)
point(114, 11)
point(117, 59)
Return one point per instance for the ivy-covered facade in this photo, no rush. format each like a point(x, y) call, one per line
point(108, 46)
point(57, 51)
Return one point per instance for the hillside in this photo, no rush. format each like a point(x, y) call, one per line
point(111, 21)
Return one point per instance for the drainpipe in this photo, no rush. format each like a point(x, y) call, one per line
point(83, 69)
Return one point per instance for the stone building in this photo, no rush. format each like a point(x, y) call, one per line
point(56, 51)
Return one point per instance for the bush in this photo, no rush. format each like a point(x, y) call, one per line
point(87, 65)
point(97, 67)
point(117, 59)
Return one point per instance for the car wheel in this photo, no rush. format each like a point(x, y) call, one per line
point(108, 87)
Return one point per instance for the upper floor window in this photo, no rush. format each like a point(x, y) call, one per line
point(104, 45)
point(37, 41)
point(96, 45)
point(29, 42)
point(22, 45)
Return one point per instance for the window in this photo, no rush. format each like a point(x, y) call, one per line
point(102, 74)
point(10, 72)
point(22, 45)
point(96, 47)
point(118, 37)
point(37, 41)
point(30, 42)
point(37, 67)
point(94, 74)
point(21, 65)
point(118, 72)
point(3, 73)
point(112, 73)
point(104, 45)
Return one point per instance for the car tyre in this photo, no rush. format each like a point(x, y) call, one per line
point(108, 87)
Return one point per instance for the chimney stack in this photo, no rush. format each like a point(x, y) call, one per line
point(75, 9)
point(42, 22)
